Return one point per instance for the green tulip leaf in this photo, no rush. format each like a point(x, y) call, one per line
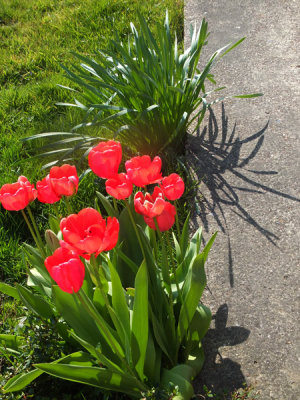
point(9, 290)
point(11, 343)
point(106, 204)
point(192, 293)
point(139, 326)
point(184, 239)
point(180, 376)
point(93, 376)
point(119, 301)
point(76, 316)
point(37, 261)
point(20, 381)
point(130, 247)
point(35, 303)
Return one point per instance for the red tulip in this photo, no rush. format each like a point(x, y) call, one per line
point(45, 192)
point(150, 205)
point(105, 158)
point(66, 268)
point(172, 186)
point(16, 196)
point(165, 220)
point(141, 171)
point(88, 233)
point(119, 187)
point(64, 180)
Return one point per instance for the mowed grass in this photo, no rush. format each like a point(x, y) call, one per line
point(36, 36)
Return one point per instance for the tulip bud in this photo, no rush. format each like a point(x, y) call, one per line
point(51, 240)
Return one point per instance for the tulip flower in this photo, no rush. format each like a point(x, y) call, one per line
point(172, 186)
point(141, 171)
point(45, 192)
point(66, 269)
point(119, 187)
point(61, 181)
point(105, 158)
point(150, 205)
point(64, 180)
point(165, 220)
point(16, 196)
point(88, 233)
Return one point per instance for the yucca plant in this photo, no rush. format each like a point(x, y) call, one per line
point(144, 92)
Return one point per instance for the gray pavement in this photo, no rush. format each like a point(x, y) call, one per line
point(248, 152)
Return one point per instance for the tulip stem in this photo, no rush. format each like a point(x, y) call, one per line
point(95, 268)
point(135, 228)
point(173, 267)
point(176, 220)
point(115, 205)
point(36, 230)
point(68, 205)
point(56, 211)
point(32, 232)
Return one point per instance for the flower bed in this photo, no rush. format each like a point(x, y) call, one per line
point(123, 287)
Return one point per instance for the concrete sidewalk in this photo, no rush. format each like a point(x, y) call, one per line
point(249, 154)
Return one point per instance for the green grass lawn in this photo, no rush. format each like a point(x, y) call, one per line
point(36, 36)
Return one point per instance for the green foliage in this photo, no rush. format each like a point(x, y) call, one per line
point(133, 340)
point(146, 93)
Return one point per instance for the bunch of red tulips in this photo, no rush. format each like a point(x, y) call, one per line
point(88, 233)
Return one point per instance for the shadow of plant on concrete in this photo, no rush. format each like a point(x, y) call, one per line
point(218, 374)
point(216, 151)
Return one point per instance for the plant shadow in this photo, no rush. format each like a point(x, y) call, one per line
point(216, 151)
point(218, 374)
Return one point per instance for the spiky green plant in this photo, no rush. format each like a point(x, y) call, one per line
point(144, 92)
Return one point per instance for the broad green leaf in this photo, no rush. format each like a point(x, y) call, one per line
point(37, 261)
point(191, 253)
point(180, 376)
point(35, 302)
point(20, 381)
point(140, 325)
point(96, 352)
point(130, 246)
point(36, 280)
point(184, 239)
point(118, 300)
point(200, 323)
point(132, 265)
point(9, 290)
point(109, 335)
point(208, 246)
point(93, 376)
point(106, 204)
point(54, 224)
point(192, 293)
point(11, 341)
point(196, 358)
point(160, 336)
point(177, 248)
point(76, 316)
point(152, 361)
